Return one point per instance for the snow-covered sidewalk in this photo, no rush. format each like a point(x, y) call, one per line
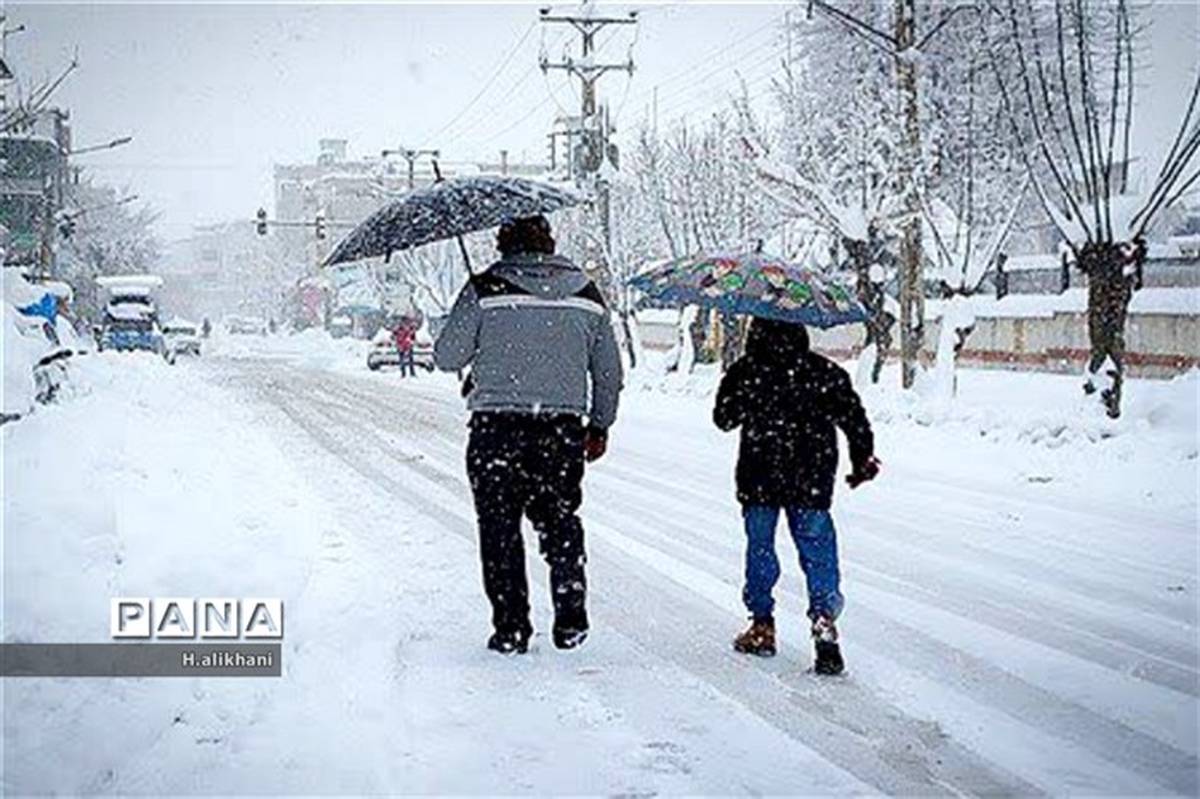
point(1021, 589)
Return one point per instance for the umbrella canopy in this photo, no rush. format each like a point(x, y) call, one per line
point(752, 283)
point(447, 209)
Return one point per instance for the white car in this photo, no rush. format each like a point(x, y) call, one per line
point(181, 338)
point(246, 325)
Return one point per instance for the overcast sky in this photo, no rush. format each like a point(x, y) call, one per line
point(215, 94)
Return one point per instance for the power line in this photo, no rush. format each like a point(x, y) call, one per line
point(481, 114)
point(701, 88)
point(495, 73)
point(540, 104)
point(688, 71)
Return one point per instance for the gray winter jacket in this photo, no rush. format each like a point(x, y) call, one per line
point(534, 330)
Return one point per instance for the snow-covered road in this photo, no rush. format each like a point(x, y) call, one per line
point(1006, 630)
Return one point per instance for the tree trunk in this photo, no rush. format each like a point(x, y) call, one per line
point(1109, 291)
point(732, 339)
point(870, 294)
point(698, 330)
point(912, 289)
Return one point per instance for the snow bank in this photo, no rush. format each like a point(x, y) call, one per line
point(24, 342)
point(311, 347)
point(152, 484)
point(1021, 423)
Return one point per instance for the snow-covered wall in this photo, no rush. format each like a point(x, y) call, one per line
point(1033, 332)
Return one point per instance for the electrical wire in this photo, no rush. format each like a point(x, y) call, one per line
point(495, 73)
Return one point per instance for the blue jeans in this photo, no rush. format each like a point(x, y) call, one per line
point(813, 532)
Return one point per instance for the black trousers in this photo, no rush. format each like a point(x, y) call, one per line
point(530, 465)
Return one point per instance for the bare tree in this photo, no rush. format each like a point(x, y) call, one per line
point(1071, 110)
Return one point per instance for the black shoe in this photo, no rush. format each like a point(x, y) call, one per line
point(825, 640)
point(829, 659)
point(509, 642)
point(569, 637)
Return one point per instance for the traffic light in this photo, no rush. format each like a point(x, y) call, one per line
point(319, 226)
point(261, 223)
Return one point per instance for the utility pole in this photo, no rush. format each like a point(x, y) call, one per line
point(592, 131)
point(5, 72)
point(412, 156)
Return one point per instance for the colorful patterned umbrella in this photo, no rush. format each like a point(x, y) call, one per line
point(755, 284)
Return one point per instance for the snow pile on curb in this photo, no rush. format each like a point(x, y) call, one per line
point(25, 343)
point(311, 347)
point(1042, 410)
point(154, 483)
point(1045, 410)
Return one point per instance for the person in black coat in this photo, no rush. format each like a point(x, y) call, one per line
point(789, 403)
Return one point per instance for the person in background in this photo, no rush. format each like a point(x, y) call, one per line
point(405, 335)
point(789, 402)
point(543, 391)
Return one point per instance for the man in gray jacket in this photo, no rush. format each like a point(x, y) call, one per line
point(536, 334)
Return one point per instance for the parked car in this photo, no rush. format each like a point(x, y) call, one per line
point(246, 325)
point(139, 333)
point(341, 326)
point(383, 351)
point(181, 338)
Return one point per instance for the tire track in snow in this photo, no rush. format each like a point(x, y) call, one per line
point(868, 738)
point(1147, 750)
point(1114, 640)
point(1123, 649)
point(915, 522)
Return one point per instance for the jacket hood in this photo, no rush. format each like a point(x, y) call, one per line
point(542, 275)
point(771, 341)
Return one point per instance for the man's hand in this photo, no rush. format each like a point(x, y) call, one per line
point(867, 470)
point(595, 444)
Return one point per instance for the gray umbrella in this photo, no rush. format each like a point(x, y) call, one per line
point(448, 209)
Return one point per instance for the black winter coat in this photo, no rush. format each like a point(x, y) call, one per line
point(788, 402)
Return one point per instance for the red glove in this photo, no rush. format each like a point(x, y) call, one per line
point(867, 470)
point(595, 444)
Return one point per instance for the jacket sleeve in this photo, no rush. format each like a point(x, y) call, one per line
point(730, 409)
point(848, 414)
point(604, 368)
point(456, 345)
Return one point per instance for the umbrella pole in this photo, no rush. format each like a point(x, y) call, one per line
point(462, 247)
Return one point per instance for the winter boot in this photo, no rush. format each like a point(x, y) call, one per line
point(509, 642)
point(759, 638)
point(569, 637)
point(829, 654)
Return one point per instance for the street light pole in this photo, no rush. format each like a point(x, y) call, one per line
point(412, 156)
point(112, 145)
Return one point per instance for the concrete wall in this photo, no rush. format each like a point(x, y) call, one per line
point(1158, 345)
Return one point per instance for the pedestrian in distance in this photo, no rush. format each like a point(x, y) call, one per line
point(789, 403)
point(543, 391)
point(405, 336)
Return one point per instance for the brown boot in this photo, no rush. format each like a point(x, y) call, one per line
point(759, 639)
